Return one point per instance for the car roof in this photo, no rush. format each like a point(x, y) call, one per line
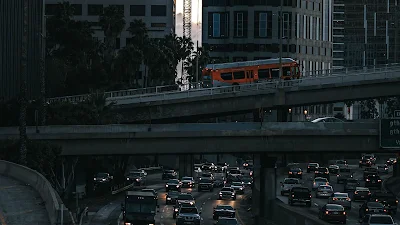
point(342, 193)
point(362, 189)
point(325, 186)
point(320, 178)
point(313, 163)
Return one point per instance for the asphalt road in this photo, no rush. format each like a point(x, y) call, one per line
point(352, 215)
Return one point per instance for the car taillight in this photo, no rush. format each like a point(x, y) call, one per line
point(344, 213)
point(379, 180)
point(310, 196)
point(367, 180)
point(356, 192)
point(384, 210)
point(292, 196)
point(397, 201)
point(348, 199)
point(308, 167)
point(376, 200)
point(299, 173)
point(290, 172)
point(326, 212)
point(369, 193)
point(316, 172)
point(334, 199)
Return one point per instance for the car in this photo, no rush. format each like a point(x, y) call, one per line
point(342, 177)
point(171, 197)
point(140, 171)
point(186, 198)
point(389, 200)
point(234, 172)
point(247, 163)
point(332, 213)
point(318, 181)
point(224, 165)
point(371, 208)
point(231, 179)
point(247, 181)
point(178, 206)
point(219, 181)
point(207, 175)
point(321, 172)
point(299, 195)
point(227, 221)
point(295, 172)
point(340, 199)
point(370, 157)
point(333, 169)
point(361, 193)
point(370, 171)
point(173, 184)
point(208, 167)
point(151, 191)
point(383, 169)
point(169, 174)
point(312, 167)
point(373, 181)
point(223, 211)
point(188, 215)
point(324, 191)
point(205, 184)
point(137, 178)
point(377, 219)
point(391, 161)
point(341, 162)
point(187, 182)
point(227, 192)
point(351, 184)
point(103, 178)
point(238, 187)
point(327, 120)
point(364, 163)
point(289, 183)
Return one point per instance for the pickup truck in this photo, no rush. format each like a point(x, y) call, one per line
point(299, 195)
point(289, 183)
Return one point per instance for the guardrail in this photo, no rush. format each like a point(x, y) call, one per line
point(194, 86)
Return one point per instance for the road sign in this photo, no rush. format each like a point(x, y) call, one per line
point(396, 114)
point(389, 133)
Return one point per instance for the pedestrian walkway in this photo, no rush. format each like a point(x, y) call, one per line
point(20, 204)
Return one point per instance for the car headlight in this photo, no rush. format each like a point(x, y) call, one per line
point(137, 180)
point(168, 199)
point(241, 188)
point(94, 179)
point(166, 185)
point(177, 186)
point(192, 203)
point(127, 178)
point(176, 210)
point(220, 193)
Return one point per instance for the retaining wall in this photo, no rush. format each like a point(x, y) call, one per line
point(42, 186)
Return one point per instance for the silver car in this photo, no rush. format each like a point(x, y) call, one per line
point(318, 181)
point(342, 199)
point(324, 191)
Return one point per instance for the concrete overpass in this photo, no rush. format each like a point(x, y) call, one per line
point(291, 137)
point(324, 87)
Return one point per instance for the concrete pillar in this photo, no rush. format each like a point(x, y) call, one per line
point(186, 165)
point(282, 114)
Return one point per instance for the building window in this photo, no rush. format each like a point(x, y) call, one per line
point(158, 10)
point(304, 26)
point(317, 30)
point(95, 10)
point(137, 10)
point(158, 25)
point(263, 25)
point(239, 25)
point(218, 25)
point(286, 25)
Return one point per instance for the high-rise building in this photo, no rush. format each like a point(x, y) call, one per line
point(239, 30)
point(159, 16)
point(11, 33)
point(338, 34)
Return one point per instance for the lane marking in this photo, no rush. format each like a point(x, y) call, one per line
point(7, 187)
point(21, 212)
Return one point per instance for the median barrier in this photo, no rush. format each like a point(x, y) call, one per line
point(392, 185)
point(36, 180)
point(287, 215)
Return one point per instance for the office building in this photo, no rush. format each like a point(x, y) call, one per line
point(240, 30)
point(11, 33)
point(338, 34)
point(159, 16)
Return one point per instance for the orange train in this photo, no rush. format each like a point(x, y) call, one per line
point(236, 73)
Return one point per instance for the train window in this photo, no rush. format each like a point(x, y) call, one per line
point(238, 75)
point(263, 74)
point(226, 76)
point(286, 71)
point(275, 73)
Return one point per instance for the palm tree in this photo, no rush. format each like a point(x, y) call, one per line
point(112, 21)
point(128, 63)
point(102, 109)
point(139, 33)
point(23, 78)
point(203, 59)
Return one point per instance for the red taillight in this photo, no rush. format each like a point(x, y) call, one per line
point(356, 192)
point(344, 213)
point(326, 212)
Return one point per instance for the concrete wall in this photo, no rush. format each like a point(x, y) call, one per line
point(41, 185)
point(290, 216)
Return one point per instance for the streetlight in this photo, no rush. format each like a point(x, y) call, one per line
point(290, 114)
point(305, 114)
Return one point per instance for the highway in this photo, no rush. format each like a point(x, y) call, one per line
point(352, 215)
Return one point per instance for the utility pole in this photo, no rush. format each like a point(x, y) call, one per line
point(197, 62)
point(280, 39)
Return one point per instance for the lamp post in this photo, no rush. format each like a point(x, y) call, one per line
point(290, 114)
point(305, 114)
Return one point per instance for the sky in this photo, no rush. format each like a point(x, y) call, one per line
point(196, 9)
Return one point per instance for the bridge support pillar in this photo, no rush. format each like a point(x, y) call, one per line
point(282, 115)
point(264, 188)
point(186, 165)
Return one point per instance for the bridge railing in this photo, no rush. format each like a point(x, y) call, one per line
point(267, 87)
point(178, 89)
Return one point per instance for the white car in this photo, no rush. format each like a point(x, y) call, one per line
point(327, 120)
point(318, 181)
point(342, 199)
point(377, 219)
point(324, 191)
point(289, 183)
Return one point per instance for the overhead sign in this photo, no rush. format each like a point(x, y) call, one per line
point(390, 133)
point(396, 114)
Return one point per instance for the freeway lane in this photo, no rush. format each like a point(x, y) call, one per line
point(352, 216)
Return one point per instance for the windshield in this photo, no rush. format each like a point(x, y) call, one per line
point(206, 175)
point(185, 197)
point(322, 169)
point(325, 188)
point(134, 174)
point(291, 181)
point(173, 194)
point(312, 165)
point(236, 183)
point(173, 181)
point(341, 195)
point(137, 208)
point(102, 175)
point(381, 220)
point(335, 207)
point(234, 172)
point(191, 210)
point(187, 178)
point(228, 207)
point(321, 180)
point(246, 179)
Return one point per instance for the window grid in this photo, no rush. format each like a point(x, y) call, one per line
point(216, 25)
point(263, 25)
point(239, 24)
point(286, 25)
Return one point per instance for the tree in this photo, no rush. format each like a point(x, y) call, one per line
point(368, 109)
point(139, 33)
point(381, 111)
point(190, 65)
point(391, 105)
point(128, 63)
point(112, 22)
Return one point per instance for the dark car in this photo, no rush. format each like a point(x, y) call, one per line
point(224, 211)
point(389, 200)
point(371, 208)
point(370, 171)
point(321, 172)
point(173, 185)
point(227, 192)
point(364, 163)
point(312, 167)
point(247, 181)
point(137, 178)
point(391, 161)
point(177, 206)
point(300, 195)
point(171, 198)
point(351, 184)
point(362, 194)
point(333, 213)
point(295, 173)
point(227, 221)
point(373, 181)
point(169, 174)
point(186, 198)
point(205, 184)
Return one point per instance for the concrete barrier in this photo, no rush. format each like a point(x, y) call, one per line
point(42, 186)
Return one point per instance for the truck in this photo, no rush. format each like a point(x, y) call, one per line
point(299, 195)
point(140, 208)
